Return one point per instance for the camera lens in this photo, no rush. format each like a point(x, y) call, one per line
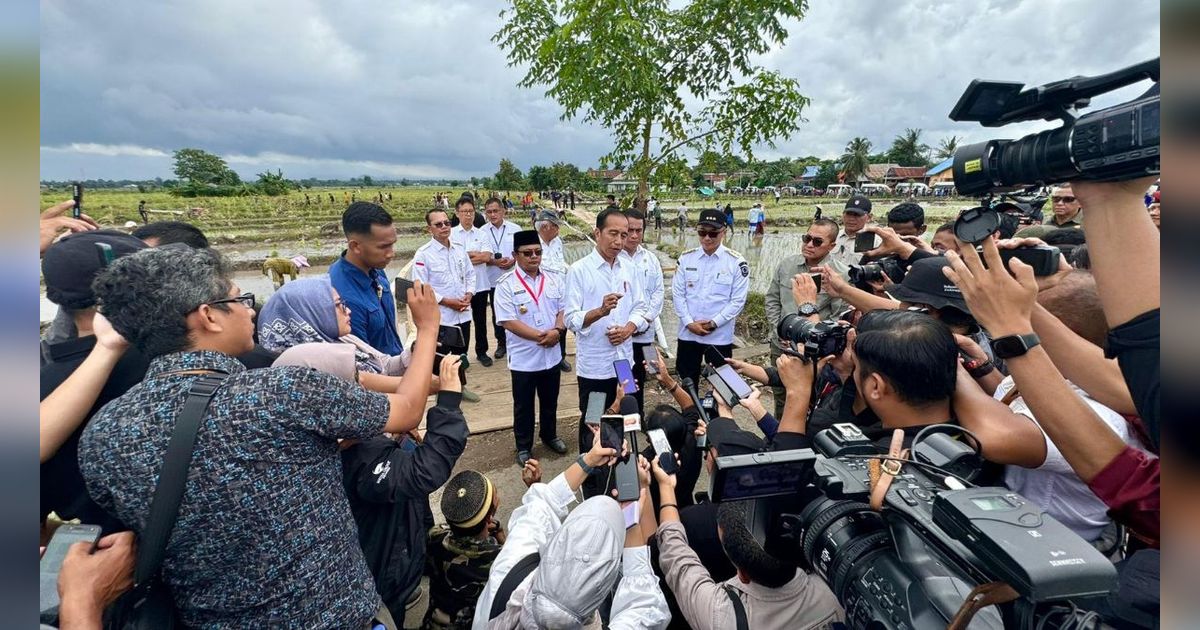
point(831, 529)
point(794, 328)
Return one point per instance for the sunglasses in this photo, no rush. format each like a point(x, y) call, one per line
point(246, 299)
point(1063, 199)
point(817, 241)
point(708, 234)
point(440, 224)
point(530, 253)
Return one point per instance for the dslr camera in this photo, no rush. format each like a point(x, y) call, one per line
point(862, 275)
point(812, 340)
point(934, 544)
point(1113, 144)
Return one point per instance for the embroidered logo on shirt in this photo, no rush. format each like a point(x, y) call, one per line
point(382, 469)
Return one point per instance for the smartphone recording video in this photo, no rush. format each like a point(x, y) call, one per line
point(402, 287)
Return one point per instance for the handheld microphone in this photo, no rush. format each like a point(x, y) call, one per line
point(690, 387)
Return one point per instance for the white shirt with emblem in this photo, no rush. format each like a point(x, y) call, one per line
point(536, 302)
point(499, 240)
point(473, 240)
point(710, 287)
point(650, 268)
point(449, 272)
point(588, 281)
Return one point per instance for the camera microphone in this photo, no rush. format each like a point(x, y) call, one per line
point(690, 387)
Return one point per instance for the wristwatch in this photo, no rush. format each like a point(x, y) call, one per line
point(1014, 345)
point(808, 309)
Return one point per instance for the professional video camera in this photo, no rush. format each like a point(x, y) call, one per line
point(1113, 144)
point(862, 275)
point(936, 543)
point(812, 340)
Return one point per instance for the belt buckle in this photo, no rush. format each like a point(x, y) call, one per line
point(891, 466)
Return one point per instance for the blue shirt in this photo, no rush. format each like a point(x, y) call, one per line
point(372, 309)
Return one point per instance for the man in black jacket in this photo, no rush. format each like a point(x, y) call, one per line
point(389, 486)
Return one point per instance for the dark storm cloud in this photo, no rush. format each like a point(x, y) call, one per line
point(417, 89)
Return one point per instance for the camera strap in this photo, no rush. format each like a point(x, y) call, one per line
point(883, 471)
point(980, 597)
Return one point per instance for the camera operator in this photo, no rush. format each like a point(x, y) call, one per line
point(766, 592)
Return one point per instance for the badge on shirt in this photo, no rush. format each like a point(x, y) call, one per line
point(522, 309)
point(745, 267)
point(538, 321)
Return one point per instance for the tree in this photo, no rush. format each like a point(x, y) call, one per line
point(907, 149)
point(826, 175)
point(634, 67)
point(856, 159)
point(672, 173)
point(947, 147)
point(200, 167)
point(509, 177)
point(564, 175)
point(367, 180)
point(273, 184)
point(539, 178)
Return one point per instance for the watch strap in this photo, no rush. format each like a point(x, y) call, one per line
point(1027, 342)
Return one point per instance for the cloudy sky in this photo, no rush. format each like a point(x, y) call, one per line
point(415, 88)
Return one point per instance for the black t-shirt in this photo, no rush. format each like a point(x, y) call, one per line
point(62, 487)
point(1135, 344)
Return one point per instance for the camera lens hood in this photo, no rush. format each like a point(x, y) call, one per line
point(975, 225)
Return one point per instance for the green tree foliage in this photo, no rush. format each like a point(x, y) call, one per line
point(907, 149)
point(564, 175)
point(201, 167)
point(826, 175)
point(633, 67)
point(947, 147)
point(856, 159)
point(539, 178)
point(272, 184)
point(673, 173)
point(509, 177)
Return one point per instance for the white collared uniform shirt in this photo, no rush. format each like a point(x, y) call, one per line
point(650, 267)
point(449, 272)
point(554, 257)
point(499, 240)
point(473, 241)
point(588, 281)
point(710, 287)
point(535, 302)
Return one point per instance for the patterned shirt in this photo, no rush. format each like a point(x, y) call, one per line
point(458, 568)
point(265, 537)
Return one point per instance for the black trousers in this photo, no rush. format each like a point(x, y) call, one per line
point(465, 327)
point(479, 307)
point(596, 482)
point(639, 374)
point(544, 384)
point(691, 355)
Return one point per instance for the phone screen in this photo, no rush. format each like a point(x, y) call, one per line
point(714, 358)
point(451, 337)
point(51, 563)
point(864, 242)
point(816, 280)
point(662, 448)
point(402, 287)
point(722, 389)
point(734, 381)
point(625, 374)
point(651, 355)
point(612, 432)
point(595, 408)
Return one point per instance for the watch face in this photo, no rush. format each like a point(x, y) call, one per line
point(807, 309)
point(1011, 346)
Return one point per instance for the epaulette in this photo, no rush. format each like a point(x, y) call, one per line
point(504, 276)
point(736, 254)
point(688, 251)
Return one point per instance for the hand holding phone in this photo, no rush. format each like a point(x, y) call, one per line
point(51, 564)
point(864, 242)
point(402, 287)
point(662, 450)
point(650, 354)
point(625, 375)
point(77, 196)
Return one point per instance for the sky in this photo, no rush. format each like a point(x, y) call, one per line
point(416, 89)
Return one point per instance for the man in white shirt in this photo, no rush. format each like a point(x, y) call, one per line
point(605, 306)
point(709, 291)
point(683, 215)
point(498, 234)
point(554, 261)
point(650, 269)
point(855, 217)
point(471, 238)
point(529, 307)
point(444, 266)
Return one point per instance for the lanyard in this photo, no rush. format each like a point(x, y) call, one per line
point(501, 239)
point(541, 287)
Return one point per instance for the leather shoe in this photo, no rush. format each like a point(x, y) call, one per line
point(564, 366)
point(414, 599)
point(484, 360)
point(500, 352)
point(557, 445)
point(470, 396)
point(522, 457)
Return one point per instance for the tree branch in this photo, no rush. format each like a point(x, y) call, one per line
point(670, 150)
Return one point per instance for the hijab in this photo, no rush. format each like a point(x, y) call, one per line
point(302, 311)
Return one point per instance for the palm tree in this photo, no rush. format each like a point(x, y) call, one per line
point(907, 149)
point(856, 159)
point(948, 147)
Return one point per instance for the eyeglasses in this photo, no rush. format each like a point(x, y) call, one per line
point(1062, 199)
point(817, 241)
point(530, 253)
point(708, 234)
point(246, 299)
point(440, 224)
point(340, 305)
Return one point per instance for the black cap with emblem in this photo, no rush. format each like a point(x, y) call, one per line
point(712, 218)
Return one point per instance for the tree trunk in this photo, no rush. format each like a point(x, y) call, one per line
point(643, 190)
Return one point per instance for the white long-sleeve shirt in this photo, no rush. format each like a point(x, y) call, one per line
point(638, 602)
point(653, 287)
point(449, 272)
point(710, 286)
point(473, 240)
point(553, 257)
point(499, 241)
point(588, 281)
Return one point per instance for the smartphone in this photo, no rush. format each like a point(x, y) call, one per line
point(625, 373)
point(723, 390)
point(714, 358)
point(77, 195)
point(864, 242)
point(450, 337)
point(735, 381)
point(816, 280)
point(612, 431)
point(402, 287)
point(105, 252)
point(51, 564)
point(651, 355)
point(662, 448)
point(595, 408)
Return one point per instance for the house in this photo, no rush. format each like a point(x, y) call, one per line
point(898, 174)
point(941, 172)
point(716, 180)
point(605, 175)
point(621, 184)
point(809, 174)
point(877, 173)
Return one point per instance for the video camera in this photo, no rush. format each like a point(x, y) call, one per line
point(812, 340)
point(935, 542)
point(1112, 144)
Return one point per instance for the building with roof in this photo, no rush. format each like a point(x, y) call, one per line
point(941, 172)
point(898, 174)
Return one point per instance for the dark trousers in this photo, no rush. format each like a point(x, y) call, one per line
point(479, 304)
point(596, 482)
point(465, 327)
point(779, 393)
point(639, 374)
point(526, 385)
point(691, 355)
